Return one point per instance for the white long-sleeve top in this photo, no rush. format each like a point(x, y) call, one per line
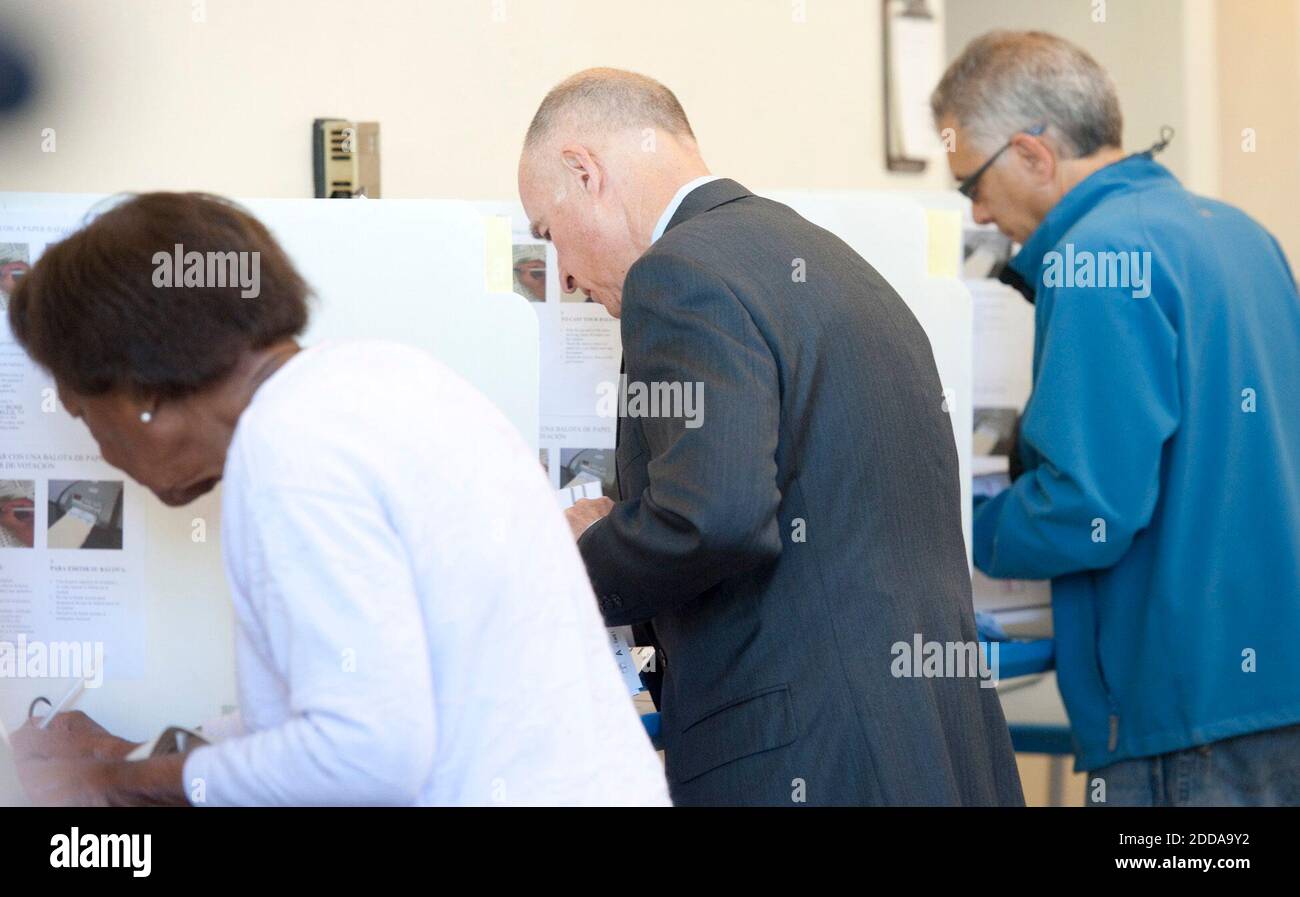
point(414, 622)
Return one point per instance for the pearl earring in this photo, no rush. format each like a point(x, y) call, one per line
point(146, 416)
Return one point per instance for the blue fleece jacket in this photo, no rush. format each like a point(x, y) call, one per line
point(1162, 452)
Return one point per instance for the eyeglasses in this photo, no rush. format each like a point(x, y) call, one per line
point(968, 186)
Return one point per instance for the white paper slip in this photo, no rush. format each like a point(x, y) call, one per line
point(581, 486)
point(620, 639)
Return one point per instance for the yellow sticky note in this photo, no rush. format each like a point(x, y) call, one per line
point(943, 256)
point(500, 259)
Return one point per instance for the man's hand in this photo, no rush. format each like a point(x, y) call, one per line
point(585, 512)
point(69, 736)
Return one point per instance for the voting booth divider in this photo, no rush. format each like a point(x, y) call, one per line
point(413, 271)
point(405, 270)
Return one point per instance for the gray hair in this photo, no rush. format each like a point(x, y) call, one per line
point(1007, 81)
point(609, 99)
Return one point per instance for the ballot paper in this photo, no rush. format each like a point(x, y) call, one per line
point(582, 486)
point(620, 638)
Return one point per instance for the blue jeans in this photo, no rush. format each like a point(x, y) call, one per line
point(1261, 769)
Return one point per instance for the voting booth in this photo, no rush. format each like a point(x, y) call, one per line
point(464, 282)
point(406, 270)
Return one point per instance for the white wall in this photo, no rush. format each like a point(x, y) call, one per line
point(142, 97)
point(1209, 68)
point(1259, 88)
point(1140, 44)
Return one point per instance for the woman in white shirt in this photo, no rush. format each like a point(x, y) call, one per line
point(414, 624)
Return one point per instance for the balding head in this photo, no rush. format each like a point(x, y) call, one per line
point(605, 153)
point(605, 101)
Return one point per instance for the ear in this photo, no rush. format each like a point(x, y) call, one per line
point(1035, 156)
point(133, 404)
point(582, 166)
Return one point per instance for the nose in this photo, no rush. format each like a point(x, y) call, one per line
point(980, 214)
point(567, 283)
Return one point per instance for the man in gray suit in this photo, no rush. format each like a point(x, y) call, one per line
point(791, 539)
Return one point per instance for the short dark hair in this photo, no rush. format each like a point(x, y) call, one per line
point(90, 313)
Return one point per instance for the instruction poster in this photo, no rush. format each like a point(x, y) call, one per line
point(71, 526)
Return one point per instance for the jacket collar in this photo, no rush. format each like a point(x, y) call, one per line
point(705, 197)
point(1125, 174)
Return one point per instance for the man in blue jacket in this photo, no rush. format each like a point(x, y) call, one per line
point(1160, 445)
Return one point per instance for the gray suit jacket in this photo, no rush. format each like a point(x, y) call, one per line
point(783, 547)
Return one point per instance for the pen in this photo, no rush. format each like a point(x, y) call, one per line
point(72, 695)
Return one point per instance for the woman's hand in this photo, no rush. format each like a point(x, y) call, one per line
point(67, 783)
point(75, 762)
point(69, 736)
point(155, 782)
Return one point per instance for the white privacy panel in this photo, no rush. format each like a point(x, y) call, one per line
point(406, 270)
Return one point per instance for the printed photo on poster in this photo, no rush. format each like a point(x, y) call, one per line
point(17, 513)
point(586, 465)
point(85, 514)
point(15, 262)
point(530, 271)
